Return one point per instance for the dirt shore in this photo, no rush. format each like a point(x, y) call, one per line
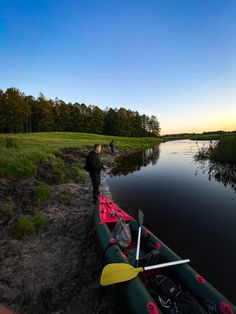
point(57, 270)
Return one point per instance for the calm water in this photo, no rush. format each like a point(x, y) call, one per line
point(193, 215)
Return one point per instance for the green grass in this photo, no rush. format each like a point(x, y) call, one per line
point(76, 172)
point(41, 192)
point(26, 225)
point(39, 221)
point(8, 142)
point(222, 151)
point(57, 173)
point(29, 148)
point(23, 226)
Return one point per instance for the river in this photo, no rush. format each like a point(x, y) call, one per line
point(188, 209)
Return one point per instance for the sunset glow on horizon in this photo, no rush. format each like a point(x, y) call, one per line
point(205, 121)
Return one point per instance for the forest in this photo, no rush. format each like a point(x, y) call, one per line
point(20, 113)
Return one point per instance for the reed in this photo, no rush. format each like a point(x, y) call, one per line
point(222, 151)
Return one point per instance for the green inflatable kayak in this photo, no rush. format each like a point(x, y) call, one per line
point(147, 275)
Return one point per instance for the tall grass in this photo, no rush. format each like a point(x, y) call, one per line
point(21, 159)
point(225, 150)
point(222, 151)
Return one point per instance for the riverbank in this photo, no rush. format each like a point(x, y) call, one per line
point(21, 153)
point(55, 270)
point(49, 260)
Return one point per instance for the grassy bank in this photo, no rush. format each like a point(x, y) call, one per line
point(20, 153)
point(222, 151)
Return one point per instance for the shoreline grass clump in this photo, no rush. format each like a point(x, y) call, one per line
point(41, 192)
point(39, 221)
point(27, 225)
point(223, 151)
point(76, 173)
point(23, 226)
point(221, 160)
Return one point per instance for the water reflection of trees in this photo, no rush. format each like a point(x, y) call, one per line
point(221, 172)
point(134, 162)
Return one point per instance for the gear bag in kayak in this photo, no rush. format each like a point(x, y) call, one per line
point(122, 233)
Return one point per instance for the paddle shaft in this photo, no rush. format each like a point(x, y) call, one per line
point(166, 264)
point(140, 221)
point(138, 246)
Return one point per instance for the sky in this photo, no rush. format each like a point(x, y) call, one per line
point(175, 59)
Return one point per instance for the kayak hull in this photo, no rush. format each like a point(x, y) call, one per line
point(134, 295)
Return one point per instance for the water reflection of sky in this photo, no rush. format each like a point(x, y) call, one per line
point(193, 215)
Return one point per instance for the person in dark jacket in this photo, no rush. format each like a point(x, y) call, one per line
point(112, 146)
point(95, 167)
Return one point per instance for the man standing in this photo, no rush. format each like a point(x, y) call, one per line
point(112, 146)
point(95, 166)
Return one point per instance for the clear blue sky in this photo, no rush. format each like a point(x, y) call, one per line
point(175, 59)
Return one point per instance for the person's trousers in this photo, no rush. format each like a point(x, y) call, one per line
point(95, 178)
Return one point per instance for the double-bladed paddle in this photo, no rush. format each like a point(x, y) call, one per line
point(119, 272)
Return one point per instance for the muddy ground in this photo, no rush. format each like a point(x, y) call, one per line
point(56, 270)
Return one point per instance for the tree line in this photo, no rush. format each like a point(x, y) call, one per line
point(21, 113)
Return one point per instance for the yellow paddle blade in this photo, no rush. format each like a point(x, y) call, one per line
point(118, 272)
